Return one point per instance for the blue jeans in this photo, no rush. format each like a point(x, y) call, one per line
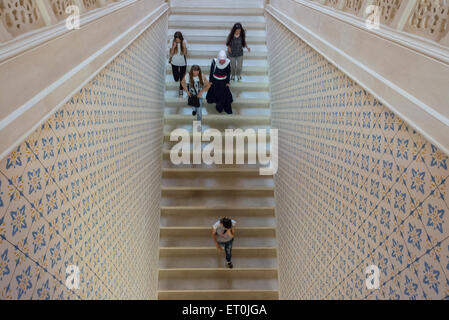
point(199, 116)
point(228, 249)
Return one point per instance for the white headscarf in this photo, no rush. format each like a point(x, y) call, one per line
point(222, 56)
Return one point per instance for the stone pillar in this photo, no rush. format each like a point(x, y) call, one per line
point(445, 40)
point(363, 14)
point(80, 5)
point(46, 12)
point(340, 5)
point(4, 34)
point(104, 3)
point(404, 12)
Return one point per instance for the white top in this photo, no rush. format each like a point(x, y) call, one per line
point(222, 235)
point(196, 83)
point(178, 58)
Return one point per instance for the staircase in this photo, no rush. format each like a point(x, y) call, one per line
point(194, 197)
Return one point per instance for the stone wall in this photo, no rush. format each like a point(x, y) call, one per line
point(84, 189)
point(356, 186)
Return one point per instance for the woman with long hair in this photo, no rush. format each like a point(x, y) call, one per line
point(235, 43)
point(220, 75)
point(178, 59)
point(195, 84)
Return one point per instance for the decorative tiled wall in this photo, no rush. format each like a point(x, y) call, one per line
point(426, 18)
point(355, 187)
point(84, 189)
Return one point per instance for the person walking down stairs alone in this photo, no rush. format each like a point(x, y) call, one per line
point(223, 232)
point(220, 77)
point(178, 59)
point(236, 42)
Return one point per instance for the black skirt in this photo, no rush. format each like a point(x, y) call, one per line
point(220, 94)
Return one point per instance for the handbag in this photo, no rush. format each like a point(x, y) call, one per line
point(194, 101)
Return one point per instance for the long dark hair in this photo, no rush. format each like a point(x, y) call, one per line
point(242, 34)
point(226, 222)
point(178, 35)
point(200, 75)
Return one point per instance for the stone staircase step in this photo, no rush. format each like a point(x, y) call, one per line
point(250, 67)
point(207, 220)
point(240, 110)
point(218, 210)
point(217, 4)
point(199, 51)
point(235, 12)
point(239, 86)
point(238, 192)
point(218, 295)
point(202, 236)
point(251, 97)
point(216, 179)
point(218, 279)
point(237, 134)
point(217, 36)
point(215, 21)
point(210, 257)
point(220, 118)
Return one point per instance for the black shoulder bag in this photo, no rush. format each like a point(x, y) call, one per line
point(194, 101)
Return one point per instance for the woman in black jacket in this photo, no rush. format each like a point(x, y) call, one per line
point(220, 76)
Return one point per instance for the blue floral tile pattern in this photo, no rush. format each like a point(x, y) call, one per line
point(377, 187)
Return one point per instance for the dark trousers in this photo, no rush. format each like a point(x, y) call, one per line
point(228, 249)
point(178, 74)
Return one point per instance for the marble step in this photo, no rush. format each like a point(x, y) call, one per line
point(167, 163)
point(190, 21)
point(268, 135)
point(210, 257)
point(242, 100)
point(198, 51)
point(202, 237)
point(238, 95)
point(219, 118)
point(247, 81)
point(218, 4)
point(239, 109)
point(237, 162)
point(218, 295)
point(217, 36)
point(208, 219)
point(251, 67)
point(218, 210)
point(177, 193)
point(215, 177)
point(218, 279)
point(236, 86)
point(235, 12)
